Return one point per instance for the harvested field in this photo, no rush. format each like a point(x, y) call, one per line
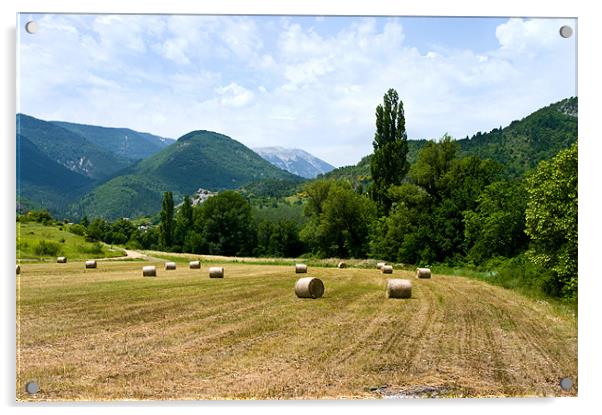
point(109, 333)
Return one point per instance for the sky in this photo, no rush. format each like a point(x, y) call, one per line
point(309, 82)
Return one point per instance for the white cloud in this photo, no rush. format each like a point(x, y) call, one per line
point(530, 35)
point(175, 50)
point(234, 95)
point(279, 82)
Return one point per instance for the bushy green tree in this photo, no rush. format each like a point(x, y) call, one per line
point(340, 220)
point(406, 234)
point(278, 239)
point(389, 163)
point(183, 222)
point(426, 222)
point(226, 225)
point(121, 231)
point(98, 230)
point(551, 219)
point(496, 227)
point(145, 238)
point(458, 189)
point(316, 193)
point(166, 226)
point(434, 160)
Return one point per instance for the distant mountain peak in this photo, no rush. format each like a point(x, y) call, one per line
point(294, 160)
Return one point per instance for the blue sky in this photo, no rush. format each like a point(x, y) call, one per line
point(306, 82)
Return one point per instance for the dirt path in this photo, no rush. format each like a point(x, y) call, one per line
point(135, 254)
point(130, 254)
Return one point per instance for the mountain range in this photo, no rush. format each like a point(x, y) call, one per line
point(294, 160)
point(198, 159)
point(75, 169)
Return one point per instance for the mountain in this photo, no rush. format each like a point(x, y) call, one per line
point(42, 182)
point(198, 159)
point(519, 147)
point(295, 161)
point(69, 149)
point(524, 143)
point(122, 142)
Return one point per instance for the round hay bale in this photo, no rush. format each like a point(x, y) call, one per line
point(309, 287)
point(387, 269)
point(300, 269)
point(18, 269)
point(398, 288)
point(216, 272)
point(380, 265)
point(342, 264)
point(61, 260)
point(423, 273)
point(91, 263)
point(169, 266)
point(194, 264)
point(149, 271)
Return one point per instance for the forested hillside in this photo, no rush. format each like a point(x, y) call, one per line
point(518, 147)
point(123, 142)
point(198, 159)
point(42, 182)
point(69, 149)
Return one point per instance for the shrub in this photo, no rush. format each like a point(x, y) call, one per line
point(77, 229)
point(93, 248)
point(47, 248)
point(133, 244)
point(520, 273)
point(40, 216)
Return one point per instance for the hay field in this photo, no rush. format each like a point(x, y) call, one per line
point(109, 333)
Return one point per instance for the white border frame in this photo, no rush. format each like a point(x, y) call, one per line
point(589, 69)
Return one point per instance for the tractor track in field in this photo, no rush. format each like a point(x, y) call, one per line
point(413, 329)
point(354, 347)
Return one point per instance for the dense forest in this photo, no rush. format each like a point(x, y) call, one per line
point(457, 203)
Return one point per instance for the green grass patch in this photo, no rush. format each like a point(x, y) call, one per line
point(517, 274)
point(43, 242)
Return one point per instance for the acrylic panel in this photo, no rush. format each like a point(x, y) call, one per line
point(295, 207)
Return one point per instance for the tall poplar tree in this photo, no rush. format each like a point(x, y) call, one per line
point(166, 227)
point(389, 163)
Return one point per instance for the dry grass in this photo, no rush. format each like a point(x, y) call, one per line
point(109, 333)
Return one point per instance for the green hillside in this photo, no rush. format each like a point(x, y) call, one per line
point(360, 172)
point(123, 142)
point(524, 143)
point(198, 159)
point(43, 182)
point(519, 146)
point(36, 241)
point(69, 149)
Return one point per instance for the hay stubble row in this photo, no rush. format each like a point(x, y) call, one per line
point(106, 333)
